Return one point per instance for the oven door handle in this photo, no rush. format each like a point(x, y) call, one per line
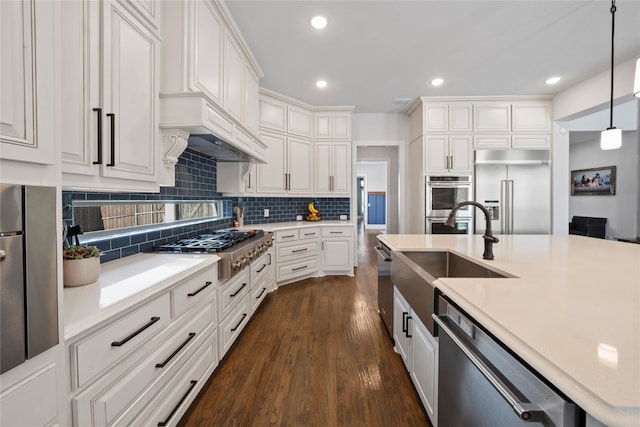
point(527, 412)
point(385, 256)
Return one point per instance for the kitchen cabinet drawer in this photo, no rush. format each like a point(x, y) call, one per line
point(232, 292)
point(258, 293)
point(492, 141)
point(174, 399)
point(120, 402)
point(232, 326)
point(308, 233)
point(115, 341)
point(194, 289)
point(292, 270)
point(259, 267)
point(296, 251)
point(337, 231)
point(531, 141)
point(286, 236)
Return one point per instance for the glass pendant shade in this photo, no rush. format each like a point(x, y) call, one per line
point(636, 82)
point(611, 139)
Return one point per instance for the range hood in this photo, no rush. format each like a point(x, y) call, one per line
point(212, 146)
point(513, 157)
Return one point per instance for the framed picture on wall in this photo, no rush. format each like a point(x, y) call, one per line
point(599, 181)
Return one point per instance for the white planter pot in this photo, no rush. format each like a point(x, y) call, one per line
point(78, 272)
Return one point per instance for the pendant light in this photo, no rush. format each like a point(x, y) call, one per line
point(612, 137)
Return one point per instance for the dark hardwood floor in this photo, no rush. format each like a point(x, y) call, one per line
point(315, 354)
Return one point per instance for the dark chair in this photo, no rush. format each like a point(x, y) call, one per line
point(588, 226)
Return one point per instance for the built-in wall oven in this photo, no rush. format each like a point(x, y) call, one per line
point(436, 226)
point(442, 193)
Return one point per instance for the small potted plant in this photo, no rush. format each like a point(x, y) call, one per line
point(80, 265)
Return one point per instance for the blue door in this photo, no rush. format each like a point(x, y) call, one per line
point(377, 203)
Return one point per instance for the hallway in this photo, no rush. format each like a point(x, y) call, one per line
point(315, 354)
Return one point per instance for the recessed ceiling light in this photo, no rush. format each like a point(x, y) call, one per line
point(318, 22)
point(552, 80)
point(437, 82)
point(321, 84)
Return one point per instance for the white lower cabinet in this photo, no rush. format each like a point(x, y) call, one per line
point(32, 401)
point(337, 250)
point(425, 368)
point(129, 366)
point(419, 352)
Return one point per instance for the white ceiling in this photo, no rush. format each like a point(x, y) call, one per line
point(373, 52)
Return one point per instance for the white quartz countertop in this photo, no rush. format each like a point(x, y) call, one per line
point(297, 224)
point(572, 312)
point(125, 283)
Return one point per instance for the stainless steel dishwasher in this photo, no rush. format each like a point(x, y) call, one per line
point(481, 384)
point(385, 287)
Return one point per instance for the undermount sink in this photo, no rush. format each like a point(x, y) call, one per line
point(446, 264)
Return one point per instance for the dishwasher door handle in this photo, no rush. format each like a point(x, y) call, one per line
point(527, 412)
point(385, 256)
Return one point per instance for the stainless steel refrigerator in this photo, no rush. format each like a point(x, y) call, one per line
point(515, 186)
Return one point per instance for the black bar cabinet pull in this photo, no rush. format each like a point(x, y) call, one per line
point(193, 294)
point(99, 126)
point(407, 333)
point(113, 139)
point(299, 250)
point(133, 334)
point(404, 321)
point(235, 328)
point(180, 347)
point(261, 293)
point(166, 421)
point(261, 268)
point(238, 291)
point(299, 268)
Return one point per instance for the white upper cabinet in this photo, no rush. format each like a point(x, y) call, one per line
point(333, 124)
point(460, 117)
point(448, 154)
point(300, 121)
point(207, 71)
point(273, 114)
point(288, 168)
point(521, 124)
point(110, 71)
point(233, 79)
point(333, 168)
point(492, 117)
point(27, 111)
point(210, 77)
point(531, 117)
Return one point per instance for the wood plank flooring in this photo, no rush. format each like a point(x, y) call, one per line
point(315, 354)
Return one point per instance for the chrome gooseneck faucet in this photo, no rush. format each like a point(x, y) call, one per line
point(488, 237)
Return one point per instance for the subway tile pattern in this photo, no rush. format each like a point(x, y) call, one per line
point(196, 180)
point(284, 209)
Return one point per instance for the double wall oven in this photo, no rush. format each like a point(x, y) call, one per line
point(442, 193)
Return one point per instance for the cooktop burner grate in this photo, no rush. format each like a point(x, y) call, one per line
point(216, 241)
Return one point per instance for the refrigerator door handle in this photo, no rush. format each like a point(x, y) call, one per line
point(503, 206)
point(511, 185)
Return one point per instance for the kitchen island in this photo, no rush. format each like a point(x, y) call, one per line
point(572, 311)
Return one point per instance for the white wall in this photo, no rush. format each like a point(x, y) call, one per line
point(570, 108)
point(384, 137)
point(389, 154)
point(620, 210)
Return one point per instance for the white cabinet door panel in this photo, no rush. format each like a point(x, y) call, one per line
point(461, 152)
point(208, 51)
point(323, 167)
point(341, 168)
point(233, 78)
point(492, 117)
point(436, 152)
point(271, 176)
point(300, 167)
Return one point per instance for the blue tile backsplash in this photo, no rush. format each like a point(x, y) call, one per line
point(196, 180)
point(284, 209)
